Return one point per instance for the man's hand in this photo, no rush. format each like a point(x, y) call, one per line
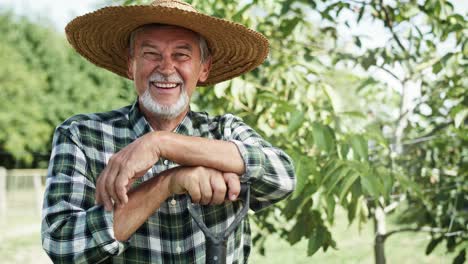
point(123, 168)
point(204, 185)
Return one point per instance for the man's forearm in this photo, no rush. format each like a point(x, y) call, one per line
point(143, 201)
point(197, 151)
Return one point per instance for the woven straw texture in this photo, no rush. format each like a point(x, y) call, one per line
point(102, 37)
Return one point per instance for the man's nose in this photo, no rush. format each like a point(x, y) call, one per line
point(166, 66)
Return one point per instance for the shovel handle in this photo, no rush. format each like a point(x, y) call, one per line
point(216, 244)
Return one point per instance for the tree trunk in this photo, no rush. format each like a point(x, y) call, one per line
point(380, 231)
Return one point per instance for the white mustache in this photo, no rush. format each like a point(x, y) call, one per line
point(158, 77)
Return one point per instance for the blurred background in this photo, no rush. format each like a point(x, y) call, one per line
point(369, 97)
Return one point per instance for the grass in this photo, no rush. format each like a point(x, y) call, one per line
point(20, 230)
point(355, 246)
point(20, 241)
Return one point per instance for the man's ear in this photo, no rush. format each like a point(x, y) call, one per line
point(130, 68)
point(205, 70)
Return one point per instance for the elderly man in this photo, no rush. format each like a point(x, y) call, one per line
point(118, 182)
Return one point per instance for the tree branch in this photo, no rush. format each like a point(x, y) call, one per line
point(389, 72)
point(429, 135)
point(425, 229)
point(388, 23)
point(358, 2)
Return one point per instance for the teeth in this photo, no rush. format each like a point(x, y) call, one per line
point(165, 85)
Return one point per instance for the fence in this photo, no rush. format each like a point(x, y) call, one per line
point(35, 174)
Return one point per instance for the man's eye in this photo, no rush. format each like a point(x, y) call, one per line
point(150, 54)
point(181, 56)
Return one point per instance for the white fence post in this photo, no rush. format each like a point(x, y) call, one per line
point(3, 196)
point(38, 190)
point(36, 175)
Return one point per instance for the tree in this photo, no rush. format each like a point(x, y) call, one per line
point(359, 157)
point(43, 82)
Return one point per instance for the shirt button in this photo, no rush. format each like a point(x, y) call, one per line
point(179, 249)
point(166, 162)
point(173, 202)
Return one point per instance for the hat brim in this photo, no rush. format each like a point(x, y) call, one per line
point(102, 37)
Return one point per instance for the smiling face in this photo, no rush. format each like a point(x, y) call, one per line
point(166, 66)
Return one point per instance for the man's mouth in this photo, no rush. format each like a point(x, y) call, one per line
point(164, 85)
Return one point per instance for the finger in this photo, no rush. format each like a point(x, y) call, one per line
point(205, 188)
point(102, 193)
point(120, 186)
point(97, 193)
point(112, 174)
point(218, 185)
point(233, 184)
point(193, 190)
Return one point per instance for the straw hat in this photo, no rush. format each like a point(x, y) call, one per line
point(102, 37)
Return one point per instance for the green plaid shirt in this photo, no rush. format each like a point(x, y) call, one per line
point(75, 230)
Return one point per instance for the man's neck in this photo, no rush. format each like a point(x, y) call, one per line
point(162, 124)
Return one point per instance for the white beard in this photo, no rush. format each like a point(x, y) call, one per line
point(166, 112)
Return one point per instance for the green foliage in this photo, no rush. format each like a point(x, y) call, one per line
point(353, 142)
point(302, 105)
point(43, 82)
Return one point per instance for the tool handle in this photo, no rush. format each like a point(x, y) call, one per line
point(216, 244)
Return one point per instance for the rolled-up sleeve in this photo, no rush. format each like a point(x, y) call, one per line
point(269, 169)
point(74, 229)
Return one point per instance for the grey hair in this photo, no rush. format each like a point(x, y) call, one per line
point(204, 50)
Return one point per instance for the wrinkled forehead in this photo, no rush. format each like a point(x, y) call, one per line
point(162, 31)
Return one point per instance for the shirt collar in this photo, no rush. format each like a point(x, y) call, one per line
point(140, 125)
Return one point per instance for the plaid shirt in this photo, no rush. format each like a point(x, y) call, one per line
point(75, 230)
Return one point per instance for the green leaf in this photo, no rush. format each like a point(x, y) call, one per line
point(330, 207)
point(353, 114)
point(337, 176)
point(359, 145)
point(331, 167)
point(305, 166)
point(371, 184)
point(323, 137)
point(387, 181)
point(297, 119)
point(295, 234)
point(446, 57)
point(350, 179)
point(292, 207)
point(432, 245)
point(361, 12)
point(437, 67)
point(366, 82)
point(288, 25)
point(460, 117)
point(409, 185)
point(238, 15)
point(357, 40)
point(368, 61)
point(344, 149)
point(220, 88)
point(315, 241)
point(461, 257)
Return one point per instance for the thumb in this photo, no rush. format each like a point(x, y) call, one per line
point(233, 183)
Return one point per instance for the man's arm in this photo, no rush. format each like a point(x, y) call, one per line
point(197, 151)
point(204, 185)
point(74, 229)
point(269, 169)
point(242, 151)
point(135, 159)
